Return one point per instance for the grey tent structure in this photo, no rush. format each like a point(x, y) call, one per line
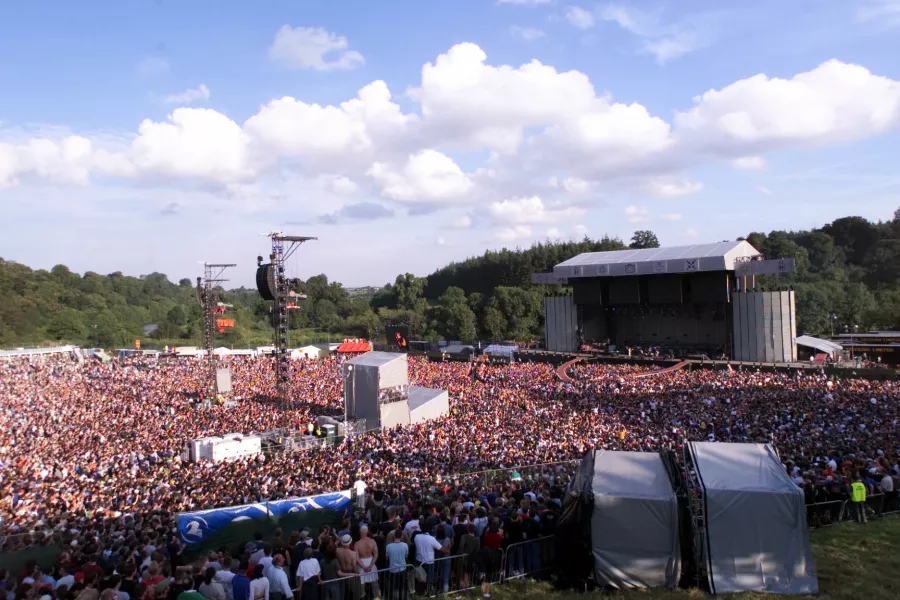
point(753, 534)
point(633, 515)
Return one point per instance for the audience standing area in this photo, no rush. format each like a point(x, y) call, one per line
point(750, 520)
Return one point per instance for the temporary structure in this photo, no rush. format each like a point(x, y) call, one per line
point(632, 515)
point(754, 535)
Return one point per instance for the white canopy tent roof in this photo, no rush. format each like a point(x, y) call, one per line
point(826, 346)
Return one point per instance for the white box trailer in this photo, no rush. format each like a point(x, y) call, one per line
point(231, 446)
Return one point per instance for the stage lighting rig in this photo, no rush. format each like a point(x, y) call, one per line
point(274, 285)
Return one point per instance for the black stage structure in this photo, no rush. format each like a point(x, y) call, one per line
point(684, 300)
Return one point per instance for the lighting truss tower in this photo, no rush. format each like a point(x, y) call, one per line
point(283, 247)
point(206, 294)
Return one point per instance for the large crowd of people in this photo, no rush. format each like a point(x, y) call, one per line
point(91, 455)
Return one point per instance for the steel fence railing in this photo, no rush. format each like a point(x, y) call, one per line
point(461, 572)
point(529, 558)
point(822, 514)
point(383, 583)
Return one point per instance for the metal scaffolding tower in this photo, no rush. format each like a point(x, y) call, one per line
point(283, 247)
point(696, 499)
point(206, 294)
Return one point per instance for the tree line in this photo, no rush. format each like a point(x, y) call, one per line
point(847, 279)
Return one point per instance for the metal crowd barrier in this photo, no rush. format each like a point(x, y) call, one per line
point(462, 572)
point(823, 514)
point(529, 558)
point(382, 583)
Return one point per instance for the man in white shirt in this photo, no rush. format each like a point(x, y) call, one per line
point(411, 527)
point(224, 577)
point(266, 560)
point(279, 586)
point(360, 488)
point(426, 544)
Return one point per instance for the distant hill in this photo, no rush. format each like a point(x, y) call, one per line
point(848, 278)
point(510, 268)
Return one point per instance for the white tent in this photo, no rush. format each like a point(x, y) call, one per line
point(825, 346)
point(244, 352)
point(308, 352)
point(187, 351)
point(633, 520)
point(755, 537)
point(222, 351)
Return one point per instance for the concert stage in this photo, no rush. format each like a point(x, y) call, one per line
point(686, 301)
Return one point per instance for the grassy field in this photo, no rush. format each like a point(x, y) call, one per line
point(852, 562)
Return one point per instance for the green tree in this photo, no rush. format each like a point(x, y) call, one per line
point(176, 316)
point(856, 306)
point(494, 323)
point(408, 289)
point(324, 315)
point(457, 319)
point(68, 325)
point(521, 308)
point(106, 331)
point(644, 238)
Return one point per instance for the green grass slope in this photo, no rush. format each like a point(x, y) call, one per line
point(852, 562)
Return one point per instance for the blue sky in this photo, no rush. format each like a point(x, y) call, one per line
point(142, 136)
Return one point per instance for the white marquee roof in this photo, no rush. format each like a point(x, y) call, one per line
point(720, 256)
point(819, 344)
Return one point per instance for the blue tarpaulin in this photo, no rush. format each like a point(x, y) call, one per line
point(195, 527)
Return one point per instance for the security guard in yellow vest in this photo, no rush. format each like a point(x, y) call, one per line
point(858, 499)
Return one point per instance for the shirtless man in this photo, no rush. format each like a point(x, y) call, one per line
point(349, 561)
point(367, 549)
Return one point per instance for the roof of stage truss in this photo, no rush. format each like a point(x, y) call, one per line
point(720, 256)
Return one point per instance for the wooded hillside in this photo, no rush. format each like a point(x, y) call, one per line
point(848, 276)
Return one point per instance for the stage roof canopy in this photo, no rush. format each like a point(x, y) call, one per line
point(819, 344)
point(720, 256)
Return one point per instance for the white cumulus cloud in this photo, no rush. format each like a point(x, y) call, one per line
point(514, 233)
point(194, 143)
point(427, 176)
point(529, 34)
point(532, 210)
point(476, 132)
point(835, 102)
point(197, 94)
point(673, 188)
point(579, 17)
point(664, 41)
point(749, 163)
point(636, 214)
point(463, 222)
point(314, 48)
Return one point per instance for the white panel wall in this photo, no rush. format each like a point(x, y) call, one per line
point(435, 408)
point(395, 413)
point(764, 326)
